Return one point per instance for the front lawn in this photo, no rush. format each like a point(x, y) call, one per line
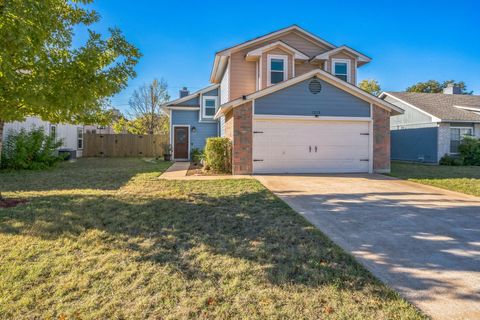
point(462, 179)
point(108, 239)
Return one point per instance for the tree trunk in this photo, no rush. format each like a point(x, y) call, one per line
point(2, 124)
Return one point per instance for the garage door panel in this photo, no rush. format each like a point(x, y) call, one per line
point(289, 146)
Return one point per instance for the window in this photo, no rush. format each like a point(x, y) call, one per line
point(209, 106)
point(456, 137)
point(53, 131)
point(277, 69)
point(79, 138)
point(341, 69)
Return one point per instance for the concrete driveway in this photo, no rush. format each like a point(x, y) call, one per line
point(420, 240)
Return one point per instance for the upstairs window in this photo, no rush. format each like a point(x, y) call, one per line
point(456, 137)
point(341, 69)
point(277, 69)
point(209, 106)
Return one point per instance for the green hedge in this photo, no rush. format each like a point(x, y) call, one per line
point(218, 155)
point(30, 150)
point(470, 151)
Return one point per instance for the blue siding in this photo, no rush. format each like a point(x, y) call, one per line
point(299, 101)
point(213, 92)
point(415, 144)
point(194, 102)
point(204, 129)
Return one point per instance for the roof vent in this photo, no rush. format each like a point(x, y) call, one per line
point(315, 86)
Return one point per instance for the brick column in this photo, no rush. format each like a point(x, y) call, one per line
point(242, 139)
point(381, 140)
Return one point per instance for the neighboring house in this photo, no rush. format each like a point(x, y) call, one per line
point(289, 103)
point(433, 123)
point(71, 135)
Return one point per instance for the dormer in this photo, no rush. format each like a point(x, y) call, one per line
point(275, 62)
point(342, 62)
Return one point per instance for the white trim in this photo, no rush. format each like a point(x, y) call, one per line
point(434, 119)
point(308, 118)
point(349, 68)
point(474, 109)
point(326, 55)
point(346, 86)
point(269, 66)
point(204, 98)
point(183, 108)
point(257, 53)
point(173, 140)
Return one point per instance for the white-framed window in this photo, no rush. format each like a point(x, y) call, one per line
point(277, 66)
point(79, 138)
point(341, 69)
point(53, 131)
point(456, 136)
point(209, 106)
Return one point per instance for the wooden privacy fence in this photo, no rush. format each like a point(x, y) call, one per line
point(123, 145)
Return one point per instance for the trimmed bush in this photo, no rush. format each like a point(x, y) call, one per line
point(470, 151)
point(30, 150)
point(218, 155)
point(448, 160)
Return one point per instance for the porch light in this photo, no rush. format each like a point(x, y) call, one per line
point(194, 129)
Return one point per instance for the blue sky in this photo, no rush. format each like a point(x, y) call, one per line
point(409, 41)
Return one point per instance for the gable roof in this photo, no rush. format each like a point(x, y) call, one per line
point(321, 74)
point(273, 34)
point(362, 59)
point(445, 107)
point(222, 56)
point(297, 53)
point(178, 102)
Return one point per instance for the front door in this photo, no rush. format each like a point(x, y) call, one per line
point(180, 147)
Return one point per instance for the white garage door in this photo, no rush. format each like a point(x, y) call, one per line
point(289, 146)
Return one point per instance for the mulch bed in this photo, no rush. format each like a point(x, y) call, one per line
point(197, 170)
point(10, 203)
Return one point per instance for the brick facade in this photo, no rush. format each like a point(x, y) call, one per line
point(381, 140)
point(242, 139)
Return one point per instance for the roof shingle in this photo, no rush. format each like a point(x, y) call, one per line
point(442, 105)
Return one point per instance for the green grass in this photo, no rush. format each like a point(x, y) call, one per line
point(461, 179)
point(108, 239)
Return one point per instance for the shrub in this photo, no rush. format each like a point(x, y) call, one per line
point(470, 151)
point(448, 160)
point(197, 155)
point(218, 154)
point(30, 150)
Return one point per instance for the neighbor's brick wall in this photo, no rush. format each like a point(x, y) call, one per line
point(242, 139)
point(381, 140)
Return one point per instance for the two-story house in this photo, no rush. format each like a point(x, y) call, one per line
point(289, 102)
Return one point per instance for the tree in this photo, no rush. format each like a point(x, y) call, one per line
point(434, 86)
point(145, 108)
point(371, 86)
point(43, 74)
